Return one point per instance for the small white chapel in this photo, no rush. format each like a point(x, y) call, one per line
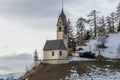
point(56, 51)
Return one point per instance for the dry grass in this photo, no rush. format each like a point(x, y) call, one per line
point(57, 72)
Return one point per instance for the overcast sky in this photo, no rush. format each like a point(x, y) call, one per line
point(15, 63)
point(27, 24)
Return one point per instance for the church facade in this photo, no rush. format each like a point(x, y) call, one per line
point(56, 51)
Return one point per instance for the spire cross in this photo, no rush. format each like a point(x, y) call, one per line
point(62, 4)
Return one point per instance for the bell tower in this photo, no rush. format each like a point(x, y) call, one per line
point(62, 27)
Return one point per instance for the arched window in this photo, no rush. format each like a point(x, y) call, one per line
point(60, 53)
point(60, 29)
point(52, 53)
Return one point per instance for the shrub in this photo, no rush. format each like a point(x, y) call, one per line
point(87, 55)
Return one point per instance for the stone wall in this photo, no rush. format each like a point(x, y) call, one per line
point(56, 61)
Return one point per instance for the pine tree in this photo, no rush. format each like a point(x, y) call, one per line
point(71, 42)
point(87, 35)
point(35, 55)
point(108, 24)
point(101, 26)
point(80, 25)
point(118, 29)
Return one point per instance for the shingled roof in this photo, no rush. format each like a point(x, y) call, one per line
point(62, 16)
point(54, 45)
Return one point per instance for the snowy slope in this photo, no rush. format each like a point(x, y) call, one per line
point(112, 43)
point(95, 73)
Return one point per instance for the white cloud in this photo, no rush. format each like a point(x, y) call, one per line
point(23, 56)
point(15, 63)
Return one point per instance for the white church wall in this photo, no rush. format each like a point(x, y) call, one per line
point(48, 54)
point(56, 59)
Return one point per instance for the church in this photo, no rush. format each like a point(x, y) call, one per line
point(56, 51)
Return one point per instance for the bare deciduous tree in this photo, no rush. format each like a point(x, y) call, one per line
point(118, 11)
point(113, 20)
point(118, 17)
point(108, 24)
point(93, 20)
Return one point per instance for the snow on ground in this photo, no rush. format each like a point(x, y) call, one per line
point(76, 57)
point(79, 59)
point(112, 43)
point(11, 76)
point(95, 74)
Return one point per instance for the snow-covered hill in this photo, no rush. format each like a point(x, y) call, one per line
point(112, 43)
point(95, 73)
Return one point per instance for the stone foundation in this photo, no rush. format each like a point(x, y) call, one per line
point(55, 61)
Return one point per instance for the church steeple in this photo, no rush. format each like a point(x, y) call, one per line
point(62, 18)
point(62, 12)
point(62, 26)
